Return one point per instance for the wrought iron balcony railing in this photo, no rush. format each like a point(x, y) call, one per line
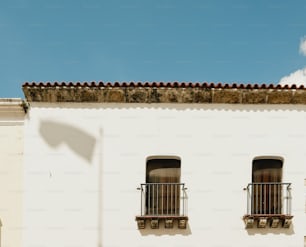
point(267, 202)
point(166, 201)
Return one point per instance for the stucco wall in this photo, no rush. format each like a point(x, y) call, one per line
point(11, 180)
point(83, 163)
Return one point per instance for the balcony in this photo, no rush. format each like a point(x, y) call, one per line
point(268, 204)
point(162, 202)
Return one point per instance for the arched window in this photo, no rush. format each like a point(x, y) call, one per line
point(163, 196)
point(163, 186)
point(267, 187)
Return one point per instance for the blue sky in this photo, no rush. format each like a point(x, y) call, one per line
point(242, 41)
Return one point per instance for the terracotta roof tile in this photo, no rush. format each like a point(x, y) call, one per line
point(161, 84)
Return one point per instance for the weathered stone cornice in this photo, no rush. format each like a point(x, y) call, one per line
point(165, 93)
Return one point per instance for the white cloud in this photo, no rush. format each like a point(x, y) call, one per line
point(303, 46)
point(298, 78)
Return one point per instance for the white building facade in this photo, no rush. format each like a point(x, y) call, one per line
point(164, 165)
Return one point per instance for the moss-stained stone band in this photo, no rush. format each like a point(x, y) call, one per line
point(143, 94)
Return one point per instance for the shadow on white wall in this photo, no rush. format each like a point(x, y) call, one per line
point(76, 139)
point(163, 231)
point(277, 231)
point(82, 144)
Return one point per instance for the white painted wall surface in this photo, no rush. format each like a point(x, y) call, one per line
point(11, 172)
point(83, 163)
